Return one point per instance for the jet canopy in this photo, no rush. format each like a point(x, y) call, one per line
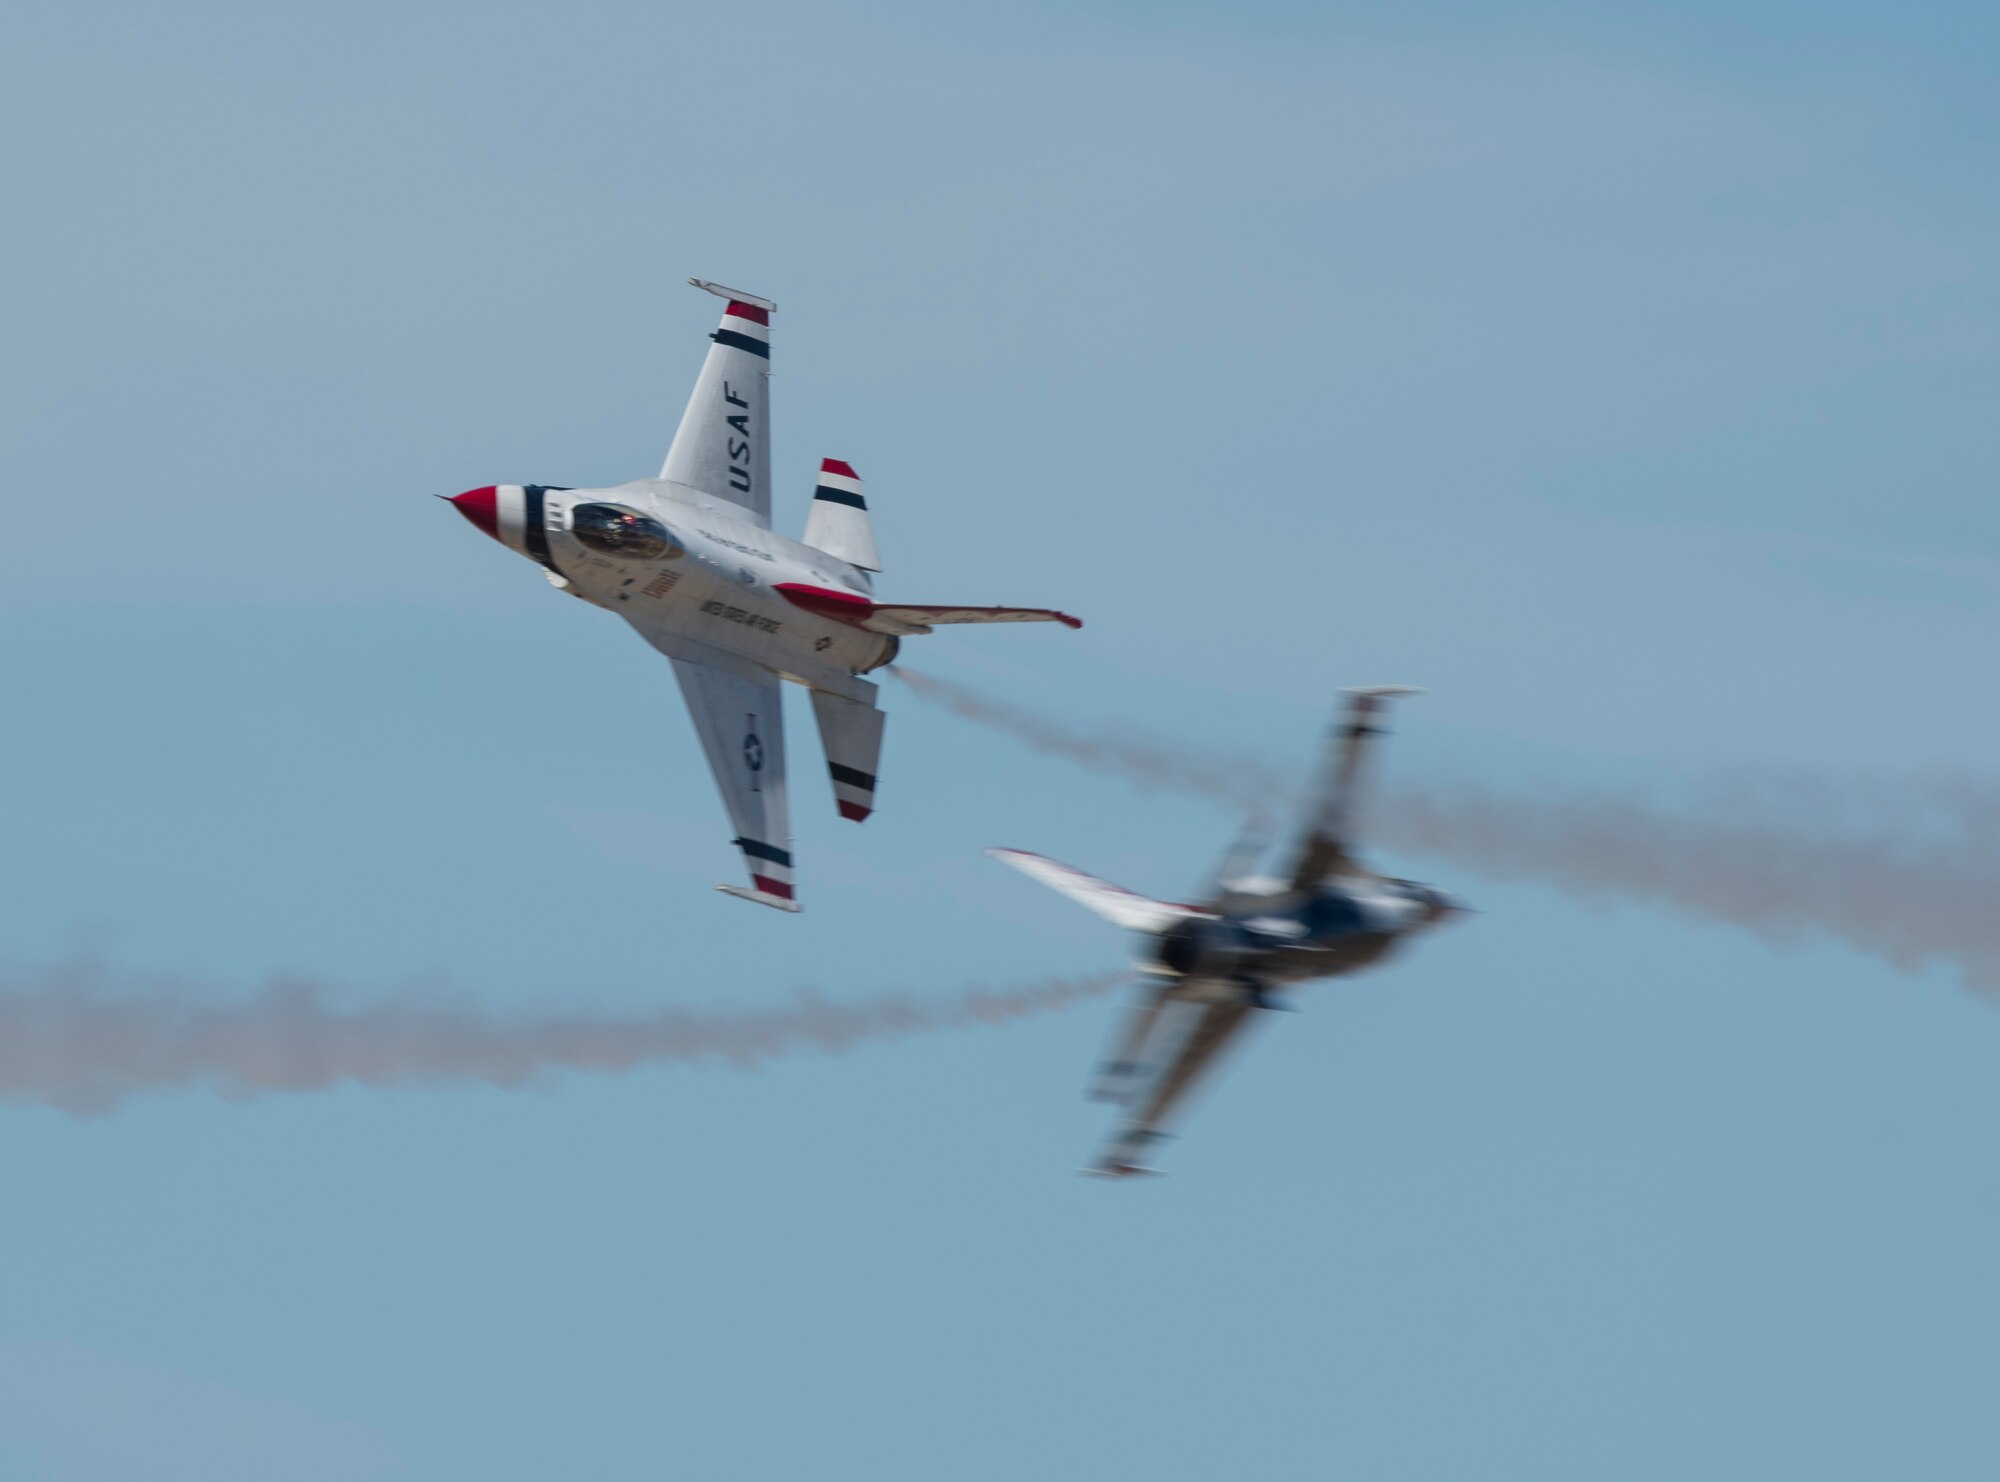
point(618, 530)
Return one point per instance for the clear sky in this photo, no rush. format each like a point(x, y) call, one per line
point(1625, 375)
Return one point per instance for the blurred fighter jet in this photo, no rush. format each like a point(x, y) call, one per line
point(1211, 965)
point(690, 560)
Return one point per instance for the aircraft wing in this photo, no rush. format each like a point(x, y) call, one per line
point(1328, 846)
point(722, 452)
point(742, 726)
point(1215, 1026)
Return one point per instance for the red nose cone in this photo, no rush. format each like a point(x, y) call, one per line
point(482, 507)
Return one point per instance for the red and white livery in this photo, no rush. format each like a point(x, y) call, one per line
point(689, 559)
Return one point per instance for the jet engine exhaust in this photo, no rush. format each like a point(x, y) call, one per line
point(1905, 871)
point(1202, 948)
point(84, 1038)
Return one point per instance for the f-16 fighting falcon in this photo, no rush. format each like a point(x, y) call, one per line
point(690, 560)
point(1210, 966)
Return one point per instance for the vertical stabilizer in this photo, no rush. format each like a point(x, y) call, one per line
point(851, 732)
point(723, 449)
point(1329, 843)
point(838, 523)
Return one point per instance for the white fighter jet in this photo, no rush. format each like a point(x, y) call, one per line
point(1210, 966)
point(689, 559)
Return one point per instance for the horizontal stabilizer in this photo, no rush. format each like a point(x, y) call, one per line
point(851, 734)
point(902, 619)
point(1114, 903)
point(839, 523)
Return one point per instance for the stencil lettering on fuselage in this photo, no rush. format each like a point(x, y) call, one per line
point(731, 614)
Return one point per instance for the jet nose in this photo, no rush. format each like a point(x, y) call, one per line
point(481, 506)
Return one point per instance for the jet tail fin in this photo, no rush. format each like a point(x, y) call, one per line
point(851, 734)
point(1328, 846)
point(839, 523)
point(721, 455)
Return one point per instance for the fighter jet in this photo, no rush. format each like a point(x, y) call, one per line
point(1209, 966)
point(689, 559)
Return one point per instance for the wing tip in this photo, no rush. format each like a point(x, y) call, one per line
point(761, 898)
point(735, 294)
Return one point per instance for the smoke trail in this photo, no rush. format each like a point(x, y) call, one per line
point(82, 1038)
point(1244, 782)
point(1784, 858)
point(1907, 872)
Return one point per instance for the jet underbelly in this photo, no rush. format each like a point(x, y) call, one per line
point(669, 565)
point(1334, 956)
point(738, 608)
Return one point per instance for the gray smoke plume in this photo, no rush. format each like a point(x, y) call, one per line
point(1236, 781)
point(1906, 871)
point(84, 1038)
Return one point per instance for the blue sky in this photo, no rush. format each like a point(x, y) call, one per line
point(1625, 376)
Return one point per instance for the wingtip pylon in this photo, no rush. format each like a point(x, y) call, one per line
point(760, 897)
point(737, 294)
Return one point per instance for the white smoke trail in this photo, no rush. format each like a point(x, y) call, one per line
point(1907, 871)
point(84, 1038)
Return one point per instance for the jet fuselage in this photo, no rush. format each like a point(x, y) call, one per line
point(689, 559)
point(690, 568)
point(1267, 935)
